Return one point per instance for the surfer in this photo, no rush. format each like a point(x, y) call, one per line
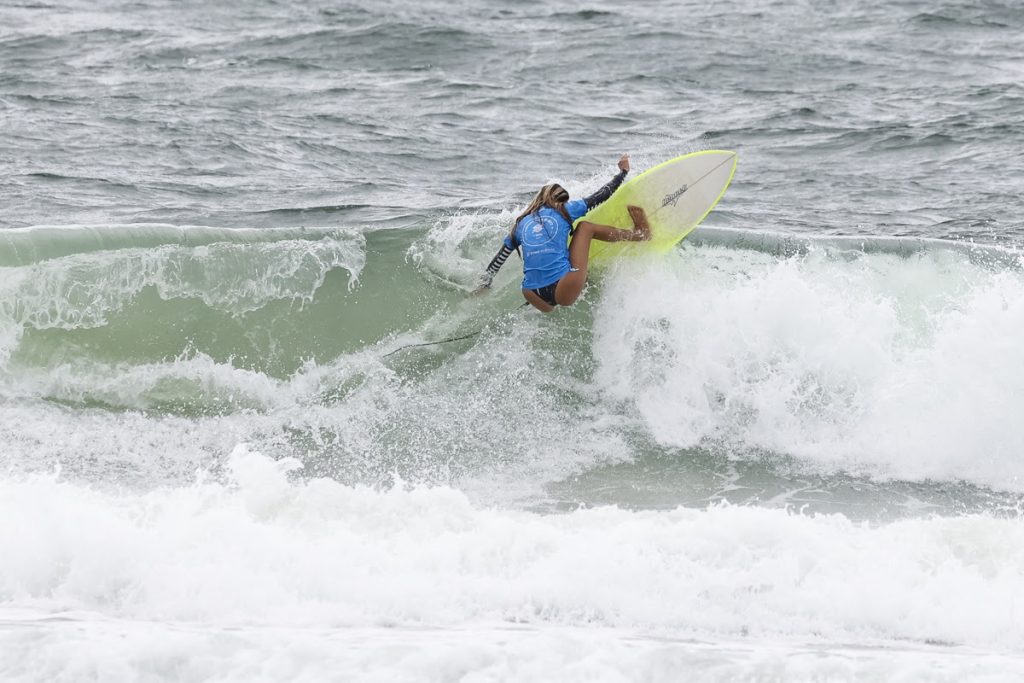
point(555, 268)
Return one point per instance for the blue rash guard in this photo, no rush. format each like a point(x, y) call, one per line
point(544, 238)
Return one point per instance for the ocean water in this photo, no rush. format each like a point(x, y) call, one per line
point(791, 450)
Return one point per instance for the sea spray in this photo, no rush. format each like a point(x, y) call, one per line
point(865, 364)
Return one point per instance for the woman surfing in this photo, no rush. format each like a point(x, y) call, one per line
point(555, 267)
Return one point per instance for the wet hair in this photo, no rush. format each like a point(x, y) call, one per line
point(553, 196)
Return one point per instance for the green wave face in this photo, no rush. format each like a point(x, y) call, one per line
point(272, 301)
point(305, 344)
point(266, 301)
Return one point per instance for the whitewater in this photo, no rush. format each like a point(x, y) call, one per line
point(255, 427)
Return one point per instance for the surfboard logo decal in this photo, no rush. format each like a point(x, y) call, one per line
point(673, 197)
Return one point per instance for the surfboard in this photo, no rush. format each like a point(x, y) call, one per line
point(677, 195)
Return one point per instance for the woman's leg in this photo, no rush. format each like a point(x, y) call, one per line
point(572, 283)
point(537, 302)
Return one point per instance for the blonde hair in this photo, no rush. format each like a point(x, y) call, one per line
point(553, 196)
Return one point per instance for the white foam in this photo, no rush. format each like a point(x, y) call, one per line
point(355, 416)
point(83, 647)
point(194, 379)
point(457, 248)
point(260, 550)
point(907, 368)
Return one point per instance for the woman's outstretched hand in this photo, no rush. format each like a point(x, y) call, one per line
point(624, 163)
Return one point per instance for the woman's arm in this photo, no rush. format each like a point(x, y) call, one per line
point(609, 188)
point(507, 247)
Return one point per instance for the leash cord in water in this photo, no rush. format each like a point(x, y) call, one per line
point(442, 341)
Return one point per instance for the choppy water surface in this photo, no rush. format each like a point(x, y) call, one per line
point(791, 450)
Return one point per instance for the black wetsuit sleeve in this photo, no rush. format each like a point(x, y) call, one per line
point(605, 192)
point(497, 262)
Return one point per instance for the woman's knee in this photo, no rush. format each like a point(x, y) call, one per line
point(567, 299)
point(567, 293)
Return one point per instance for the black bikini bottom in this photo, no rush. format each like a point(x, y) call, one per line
point(547, 293)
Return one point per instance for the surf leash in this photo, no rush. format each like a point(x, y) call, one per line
point(442, 341)
point(434, 343)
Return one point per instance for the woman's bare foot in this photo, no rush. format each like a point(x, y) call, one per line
point(641, 228)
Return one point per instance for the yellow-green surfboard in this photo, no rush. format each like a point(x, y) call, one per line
point(677, 195)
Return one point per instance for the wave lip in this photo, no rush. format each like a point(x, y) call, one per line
point(81, 278)
point(25, 246)
point(786, 245)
